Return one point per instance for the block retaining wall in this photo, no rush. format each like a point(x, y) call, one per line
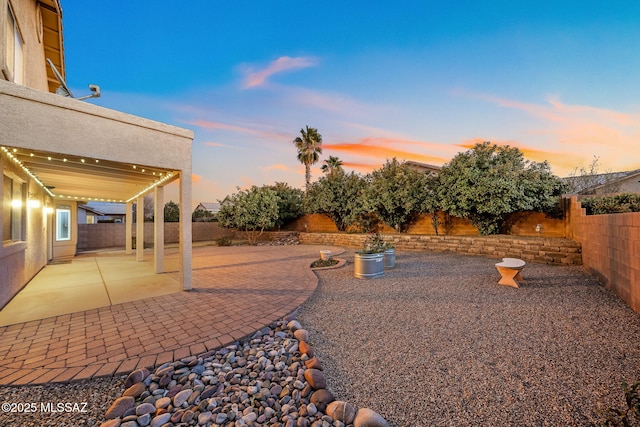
point(533, 249)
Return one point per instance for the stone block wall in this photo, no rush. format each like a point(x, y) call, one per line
point(610, 249)
point(533, 249)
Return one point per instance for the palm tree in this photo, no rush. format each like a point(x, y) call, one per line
point(331, 165)
point(309, 150)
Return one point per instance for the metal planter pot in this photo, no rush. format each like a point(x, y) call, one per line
point(389, 258)
point(368, 266)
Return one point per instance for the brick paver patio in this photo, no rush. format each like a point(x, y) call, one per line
point(236, 291)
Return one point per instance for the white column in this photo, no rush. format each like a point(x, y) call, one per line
point(185, 228)
point(158, 229)
point(140, 228)
point(128, 222)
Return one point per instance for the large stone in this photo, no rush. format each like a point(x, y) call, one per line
point(305, 348)
point(321, 398)
point(341, 411)
point(136, 376)
point(135, 390)
point(163, 402)
point(160, 420)
point(315, 378)
point(111, 423)
point(313, 363)
point(369, 418)
point(301, 335)
point(145, 408)
point(119, 407)
point(182, 397)
point(294, 325)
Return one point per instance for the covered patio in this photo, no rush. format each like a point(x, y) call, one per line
point(57, 153)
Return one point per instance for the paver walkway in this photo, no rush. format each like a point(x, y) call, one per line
point(236, 291)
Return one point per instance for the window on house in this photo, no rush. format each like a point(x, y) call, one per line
point(13, 209)
point(13, 54)
point(63, 223)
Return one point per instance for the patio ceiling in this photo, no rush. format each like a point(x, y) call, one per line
point(86, 179)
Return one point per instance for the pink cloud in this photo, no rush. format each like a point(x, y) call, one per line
point(214, 144)
point(278, 167)
point(207, 124)
point(387, 148)
point(282, 64)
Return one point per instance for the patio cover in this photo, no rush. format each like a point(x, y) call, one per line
point(80, 151)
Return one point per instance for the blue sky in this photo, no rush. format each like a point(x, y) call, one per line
point(418, 80)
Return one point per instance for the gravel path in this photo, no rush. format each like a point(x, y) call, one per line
point(437, 342)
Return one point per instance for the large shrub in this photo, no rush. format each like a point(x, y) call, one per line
point(289, 202)
point(626, 202)
point(251, 211)
point(396, 194)
point(338, 195)
point(488, 182)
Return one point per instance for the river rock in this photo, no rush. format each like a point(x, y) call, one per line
point(369, 418)
point(119, 407)
point(341, 411)
point(321, 398)
point(301, 335)
point(315, 378)
point(135, 390)
point(136, 376)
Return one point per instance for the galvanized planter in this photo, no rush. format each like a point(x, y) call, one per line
point(389, 258)
point(368, 266)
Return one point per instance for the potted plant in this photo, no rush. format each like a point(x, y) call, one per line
point(369, 261)
point(389, 255)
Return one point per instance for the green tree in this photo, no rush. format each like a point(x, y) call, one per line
point(489, 182)
point(289, 202)
point(309, 145)
point(171, 212)
point(339, 196)
point(251, 211)
point(331, 165)
point(397, 193)
point(202, 215)
point(431, 203)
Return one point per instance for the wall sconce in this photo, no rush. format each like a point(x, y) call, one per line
point(48, 210)
point(16, 203)
point(34, 203)
point(538, 229)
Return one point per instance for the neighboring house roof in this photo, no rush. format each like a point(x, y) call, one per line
point(423, 167)
point(90, 209)
point(106, 208)
point(209, 206)
point(590, 184)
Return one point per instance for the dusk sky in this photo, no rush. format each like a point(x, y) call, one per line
point(415, 80)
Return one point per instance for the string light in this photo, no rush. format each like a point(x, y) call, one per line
point(19, 163)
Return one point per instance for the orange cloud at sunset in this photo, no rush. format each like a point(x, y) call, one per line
point(284, 63)
point(385, 148)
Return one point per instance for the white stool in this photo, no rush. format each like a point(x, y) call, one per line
point(509, 270)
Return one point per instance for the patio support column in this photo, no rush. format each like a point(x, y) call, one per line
point(128, 222)
point(185, 228)
point(158, 229)
point(140, 228)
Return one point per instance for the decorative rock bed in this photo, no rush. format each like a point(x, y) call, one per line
point(269, 379)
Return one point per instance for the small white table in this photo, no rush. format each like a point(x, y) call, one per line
point(509, 270)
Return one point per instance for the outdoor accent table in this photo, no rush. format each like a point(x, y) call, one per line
point(509, 270)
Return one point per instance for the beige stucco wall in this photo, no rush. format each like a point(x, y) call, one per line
point(20, 261)
point(83, 129)
point(27, 15)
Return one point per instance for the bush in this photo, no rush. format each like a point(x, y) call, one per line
point(251, 211)
point(489, 182)
point(621, 203)
point(397, 194)
point(339, 196)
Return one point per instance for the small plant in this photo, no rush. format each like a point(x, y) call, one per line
point(324, 263)
point(224, 241)
point(373, 244)
point(629, 416)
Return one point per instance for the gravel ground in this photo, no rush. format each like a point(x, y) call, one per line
point(437, 342)
point(37, 406)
